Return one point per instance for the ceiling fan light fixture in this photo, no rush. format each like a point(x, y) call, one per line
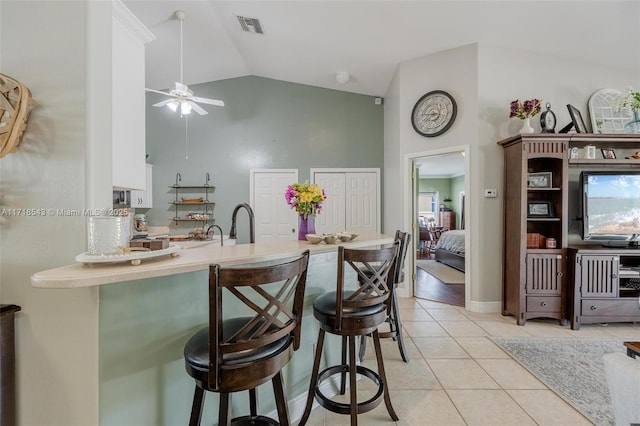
point(173, 106)
point(185, 108)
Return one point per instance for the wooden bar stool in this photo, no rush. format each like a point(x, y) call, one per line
point(393, 318)
point(240, 353)
point(352, 313)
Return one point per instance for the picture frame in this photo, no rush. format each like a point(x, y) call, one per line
point(576, 118)
point(540, 180)
point(539, 209)
point(608, 154)
point(574, 153)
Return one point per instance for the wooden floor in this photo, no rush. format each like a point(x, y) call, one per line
point(430, 288)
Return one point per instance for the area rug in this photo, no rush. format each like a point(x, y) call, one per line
point(442, 272)
point(572, 368)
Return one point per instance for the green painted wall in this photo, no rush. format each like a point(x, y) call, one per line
point(441, 185)
point(447, 187)
point(457, 187)
point(264, 124)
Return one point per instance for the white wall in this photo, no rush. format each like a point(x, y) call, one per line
point(484, 80)
point(392, 179)
point(454, 71)
point(43, 45)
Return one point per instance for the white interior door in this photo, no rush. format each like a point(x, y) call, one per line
point(274, 219)
point(361, 202)
point(332, 217)
point(353, 200)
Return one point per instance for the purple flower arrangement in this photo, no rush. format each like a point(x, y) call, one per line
point(526, 109)
point(304, 198)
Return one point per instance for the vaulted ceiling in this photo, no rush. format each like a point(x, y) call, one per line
point(308, 42)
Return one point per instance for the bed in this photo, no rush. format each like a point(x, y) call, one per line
point(450, 249)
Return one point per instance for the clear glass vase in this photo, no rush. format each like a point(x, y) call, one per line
point(633, 127)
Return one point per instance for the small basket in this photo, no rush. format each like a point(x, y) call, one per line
point(535, 240)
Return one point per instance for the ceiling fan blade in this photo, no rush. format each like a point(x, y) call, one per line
point(158, 91)
point(207, 101)
point(163, 103)
point(182, 89)
point(197, 108)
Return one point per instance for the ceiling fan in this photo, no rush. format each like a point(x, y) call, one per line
point(182, 97)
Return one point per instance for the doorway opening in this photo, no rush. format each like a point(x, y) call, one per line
point(438, 187)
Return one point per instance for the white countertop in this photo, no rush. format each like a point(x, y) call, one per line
point(195, 258)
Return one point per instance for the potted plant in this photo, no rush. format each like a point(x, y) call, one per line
point(307, 201)
point(631, 100)
point(525, 110)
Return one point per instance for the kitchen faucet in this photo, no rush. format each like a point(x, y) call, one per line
point(212, 232)
point(233, 234)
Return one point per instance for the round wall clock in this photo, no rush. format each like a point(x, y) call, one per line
point(434, 113)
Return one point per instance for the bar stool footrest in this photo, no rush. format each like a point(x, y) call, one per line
point(254, 420)
point(343, 408)
point(388, 335)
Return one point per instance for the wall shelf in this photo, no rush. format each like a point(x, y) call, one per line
point(603, 162)
point(205, 206)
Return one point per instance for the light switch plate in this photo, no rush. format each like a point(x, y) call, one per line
point(490, 193)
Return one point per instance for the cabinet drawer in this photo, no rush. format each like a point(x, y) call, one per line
point(543, 304)
point(618, 307)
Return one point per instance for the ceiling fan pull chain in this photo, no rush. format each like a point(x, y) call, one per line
point(186, 137)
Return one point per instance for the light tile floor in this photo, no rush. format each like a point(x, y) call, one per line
point(457, 376)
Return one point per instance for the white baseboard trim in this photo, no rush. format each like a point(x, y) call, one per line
point(484, 307)
point(329, 388)
point(472, 306)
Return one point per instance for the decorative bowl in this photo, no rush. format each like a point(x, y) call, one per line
point(331, 238)
point(347, 236)
point(314, 239)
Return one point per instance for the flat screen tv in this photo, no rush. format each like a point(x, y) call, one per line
point(611, 207)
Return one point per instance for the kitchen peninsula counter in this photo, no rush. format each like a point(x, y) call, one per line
point(144, 314)
point(195, 258)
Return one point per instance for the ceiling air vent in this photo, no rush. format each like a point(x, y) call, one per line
point(250, 25)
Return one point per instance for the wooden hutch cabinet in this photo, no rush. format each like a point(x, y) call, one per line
point(535, 214)
point(583, 282)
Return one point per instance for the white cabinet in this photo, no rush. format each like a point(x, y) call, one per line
point(143, 199)
point(128, 37)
